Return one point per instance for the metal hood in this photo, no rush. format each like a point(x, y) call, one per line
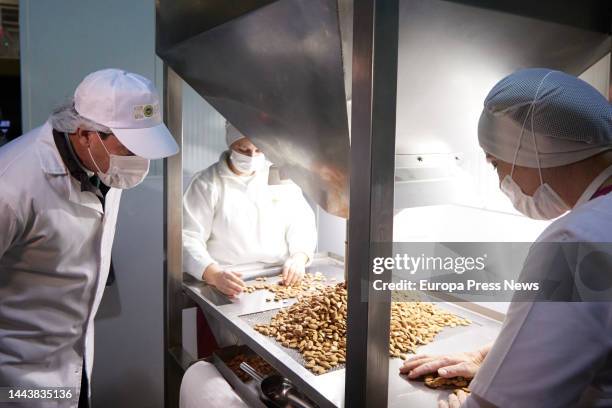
point(452, 52)
point(274, 70)
point(450, 55)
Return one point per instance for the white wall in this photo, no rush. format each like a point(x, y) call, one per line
point(331, 232)
point(203, 133)
point(203, 143)
point(61, 42)
point(598, 75)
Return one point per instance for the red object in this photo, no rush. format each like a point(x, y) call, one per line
point(602, 191)
point(206, 340)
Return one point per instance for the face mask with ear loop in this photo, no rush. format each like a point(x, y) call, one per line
point(545, 204)
point(247, 164)
point(123, 171)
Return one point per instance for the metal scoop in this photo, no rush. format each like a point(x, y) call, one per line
point(276, 390)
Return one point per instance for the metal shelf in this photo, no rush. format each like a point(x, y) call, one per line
point(327, 390)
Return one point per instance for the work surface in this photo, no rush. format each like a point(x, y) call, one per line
point(239, 316)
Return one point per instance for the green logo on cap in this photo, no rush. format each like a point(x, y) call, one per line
point(148, 111)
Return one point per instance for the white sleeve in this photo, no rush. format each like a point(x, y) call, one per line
point(546, 354)
point(198, 212)
point(8, 225)
point(301, 233)
point(547, 351)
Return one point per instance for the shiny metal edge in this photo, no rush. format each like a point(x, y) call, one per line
point(267, 348)
point(374, 69)
point(247, 391)
point(331, 385)
point(262, 346)
point(173, 243)
point(182, 357)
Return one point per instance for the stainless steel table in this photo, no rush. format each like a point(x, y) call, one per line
point(327, 390)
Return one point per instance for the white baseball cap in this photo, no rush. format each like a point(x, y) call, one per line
point(128, 104)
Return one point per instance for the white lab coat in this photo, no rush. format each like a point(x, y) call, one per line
point(558, 354)
point(230, 219)
point(55, 251)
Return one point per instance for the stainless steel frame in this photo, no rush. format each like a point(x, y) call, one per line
point(247, 391)
point(174, 357)
point(375, 39)
point(232, 315)
point(374, 48)
point(330, 389)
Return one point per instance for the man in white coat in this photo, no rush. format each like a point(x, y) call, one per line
point(231, 215)
point(549, 136)
point(60, 186)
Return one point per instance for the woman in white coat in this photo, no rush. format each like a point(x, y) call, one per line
point(232, 216)
point(549, 136)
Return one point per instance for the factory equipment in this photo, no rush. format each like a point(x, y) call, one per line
point(282, 72)
point(298, 69)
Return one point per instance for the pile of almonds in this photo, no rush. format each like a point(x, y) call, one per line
point(309, 283)
point(455, 383)
point(316, 326)
point(259, 364)
point(417, 323)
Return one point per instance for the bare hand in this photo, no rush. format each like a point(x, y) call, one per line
point(227, 282)
point(454, 401)
point(294, 269)
point(448, 366)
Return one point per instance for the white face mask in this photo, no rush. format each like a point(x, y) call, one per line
point(545, 204)
point(123, 171)
point(247, 164)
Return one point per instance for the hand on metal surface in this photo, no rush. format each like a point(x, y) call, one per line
point(454, 400)
point(227, 282)
point(294, 269)
point(447, 366)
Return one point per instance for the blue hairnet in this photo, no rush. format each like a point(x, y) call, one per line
point(568, 122)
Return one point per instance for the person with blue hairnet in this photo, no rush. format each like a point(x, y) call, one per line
point(549, 136)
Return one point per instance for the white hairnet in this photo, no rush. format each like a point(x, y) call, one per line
point(232, 134)
point(66, 119)
point(570, 119)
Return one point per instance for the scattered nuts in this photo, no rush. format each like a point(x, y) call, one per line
point(315, 325)
point(311, 282)
point(455, 383)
